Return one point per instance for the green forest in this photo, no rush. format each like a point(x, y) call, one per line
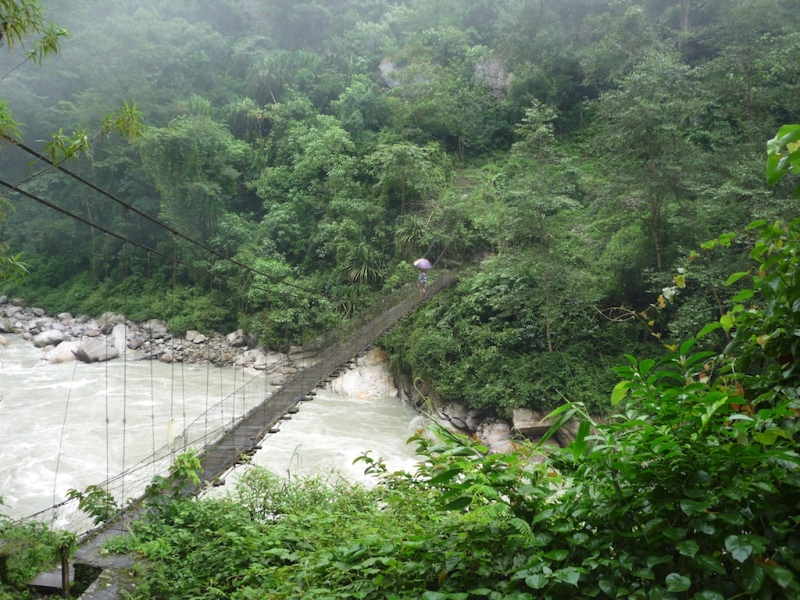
point(610, 178)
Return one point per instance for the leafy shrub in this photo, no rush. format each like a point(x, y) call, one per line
point(30, 548)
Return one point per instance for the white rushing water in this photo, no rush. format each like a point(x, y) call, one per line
point(63, 426)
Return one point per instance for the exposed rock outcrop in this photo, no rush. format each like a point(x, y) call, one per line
point(497, 433)
point(369, 379)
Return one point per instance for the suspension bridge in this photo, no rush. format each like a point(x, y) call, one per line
point(221, 442)
point(227, 432)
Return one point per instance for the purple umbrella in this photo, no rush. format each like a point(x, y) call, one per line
point(423, 263)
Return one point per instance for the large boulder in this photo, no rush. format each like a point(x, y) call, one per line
point(530, 423)
point(155, 328)
point(496, 435)
point(108, 320)
point(237, 339)
point(12, 310)
point(64, 352)
point(51, 337)
point(454, 413)
point(195, 337)
point(95, 350)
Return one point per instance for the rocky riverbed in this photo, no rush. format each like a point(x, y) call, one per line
point(65, 338)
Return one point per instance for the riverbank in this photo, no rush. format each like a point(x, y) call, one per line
point(66, 338)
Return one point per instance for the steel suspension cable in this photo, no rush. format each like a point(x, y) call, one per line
point(153, 220)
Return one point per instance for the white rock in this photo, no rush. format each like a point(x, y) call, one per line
point(46, 338)
point(63, 353)
point(118, 338)
point(95, 350)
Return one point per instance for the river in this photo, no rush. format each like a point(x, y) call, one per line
point(72, 425)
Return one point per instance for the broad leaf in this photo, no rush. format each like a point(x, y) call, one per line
point(688, 548)
point(783, 577)
point(739, 547)
point(620, 391)
point(557, 555)
point(678, 583)
point(735, 277)
point(537, 581)
point(569, 575)
point(709, 563)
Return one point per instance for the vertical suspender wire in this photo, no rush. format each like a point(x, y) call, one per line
point(108, 420)
point(236, 362)
point(208, 373)
point(220, 358)
point(152, 389)
point(61, 437)
point(286, 313)
point(265, 391)
point(171, 424)
point(125, 361)
point(209, 355)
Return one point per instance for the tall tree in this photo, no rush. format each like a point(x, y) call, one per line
point(649, 118)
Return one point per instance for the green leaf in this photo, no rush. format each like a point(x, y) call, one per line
point(755, 224)
point(652, 561)
point(678, 583)
point(709, 245)
point(692, 507)
point(709, 563)
point(708, 595)
point(608, 586)
point(579, 444)
point(783, 577)
point(557, 555)
point(726, 321)
point(743, 295)
point(445, 476)
point(569, 575)
point(458, 503)
point(787, 135)
point(537, 581)
point(752, 577)
point(735, 277)
point(688, 548)
point(675, 533)
point(620, 391)
point(739, 547)
point(726, 238)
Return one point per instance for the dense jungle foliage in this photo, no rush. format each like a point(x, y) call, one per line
point(566, 156)
point(579, 161)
